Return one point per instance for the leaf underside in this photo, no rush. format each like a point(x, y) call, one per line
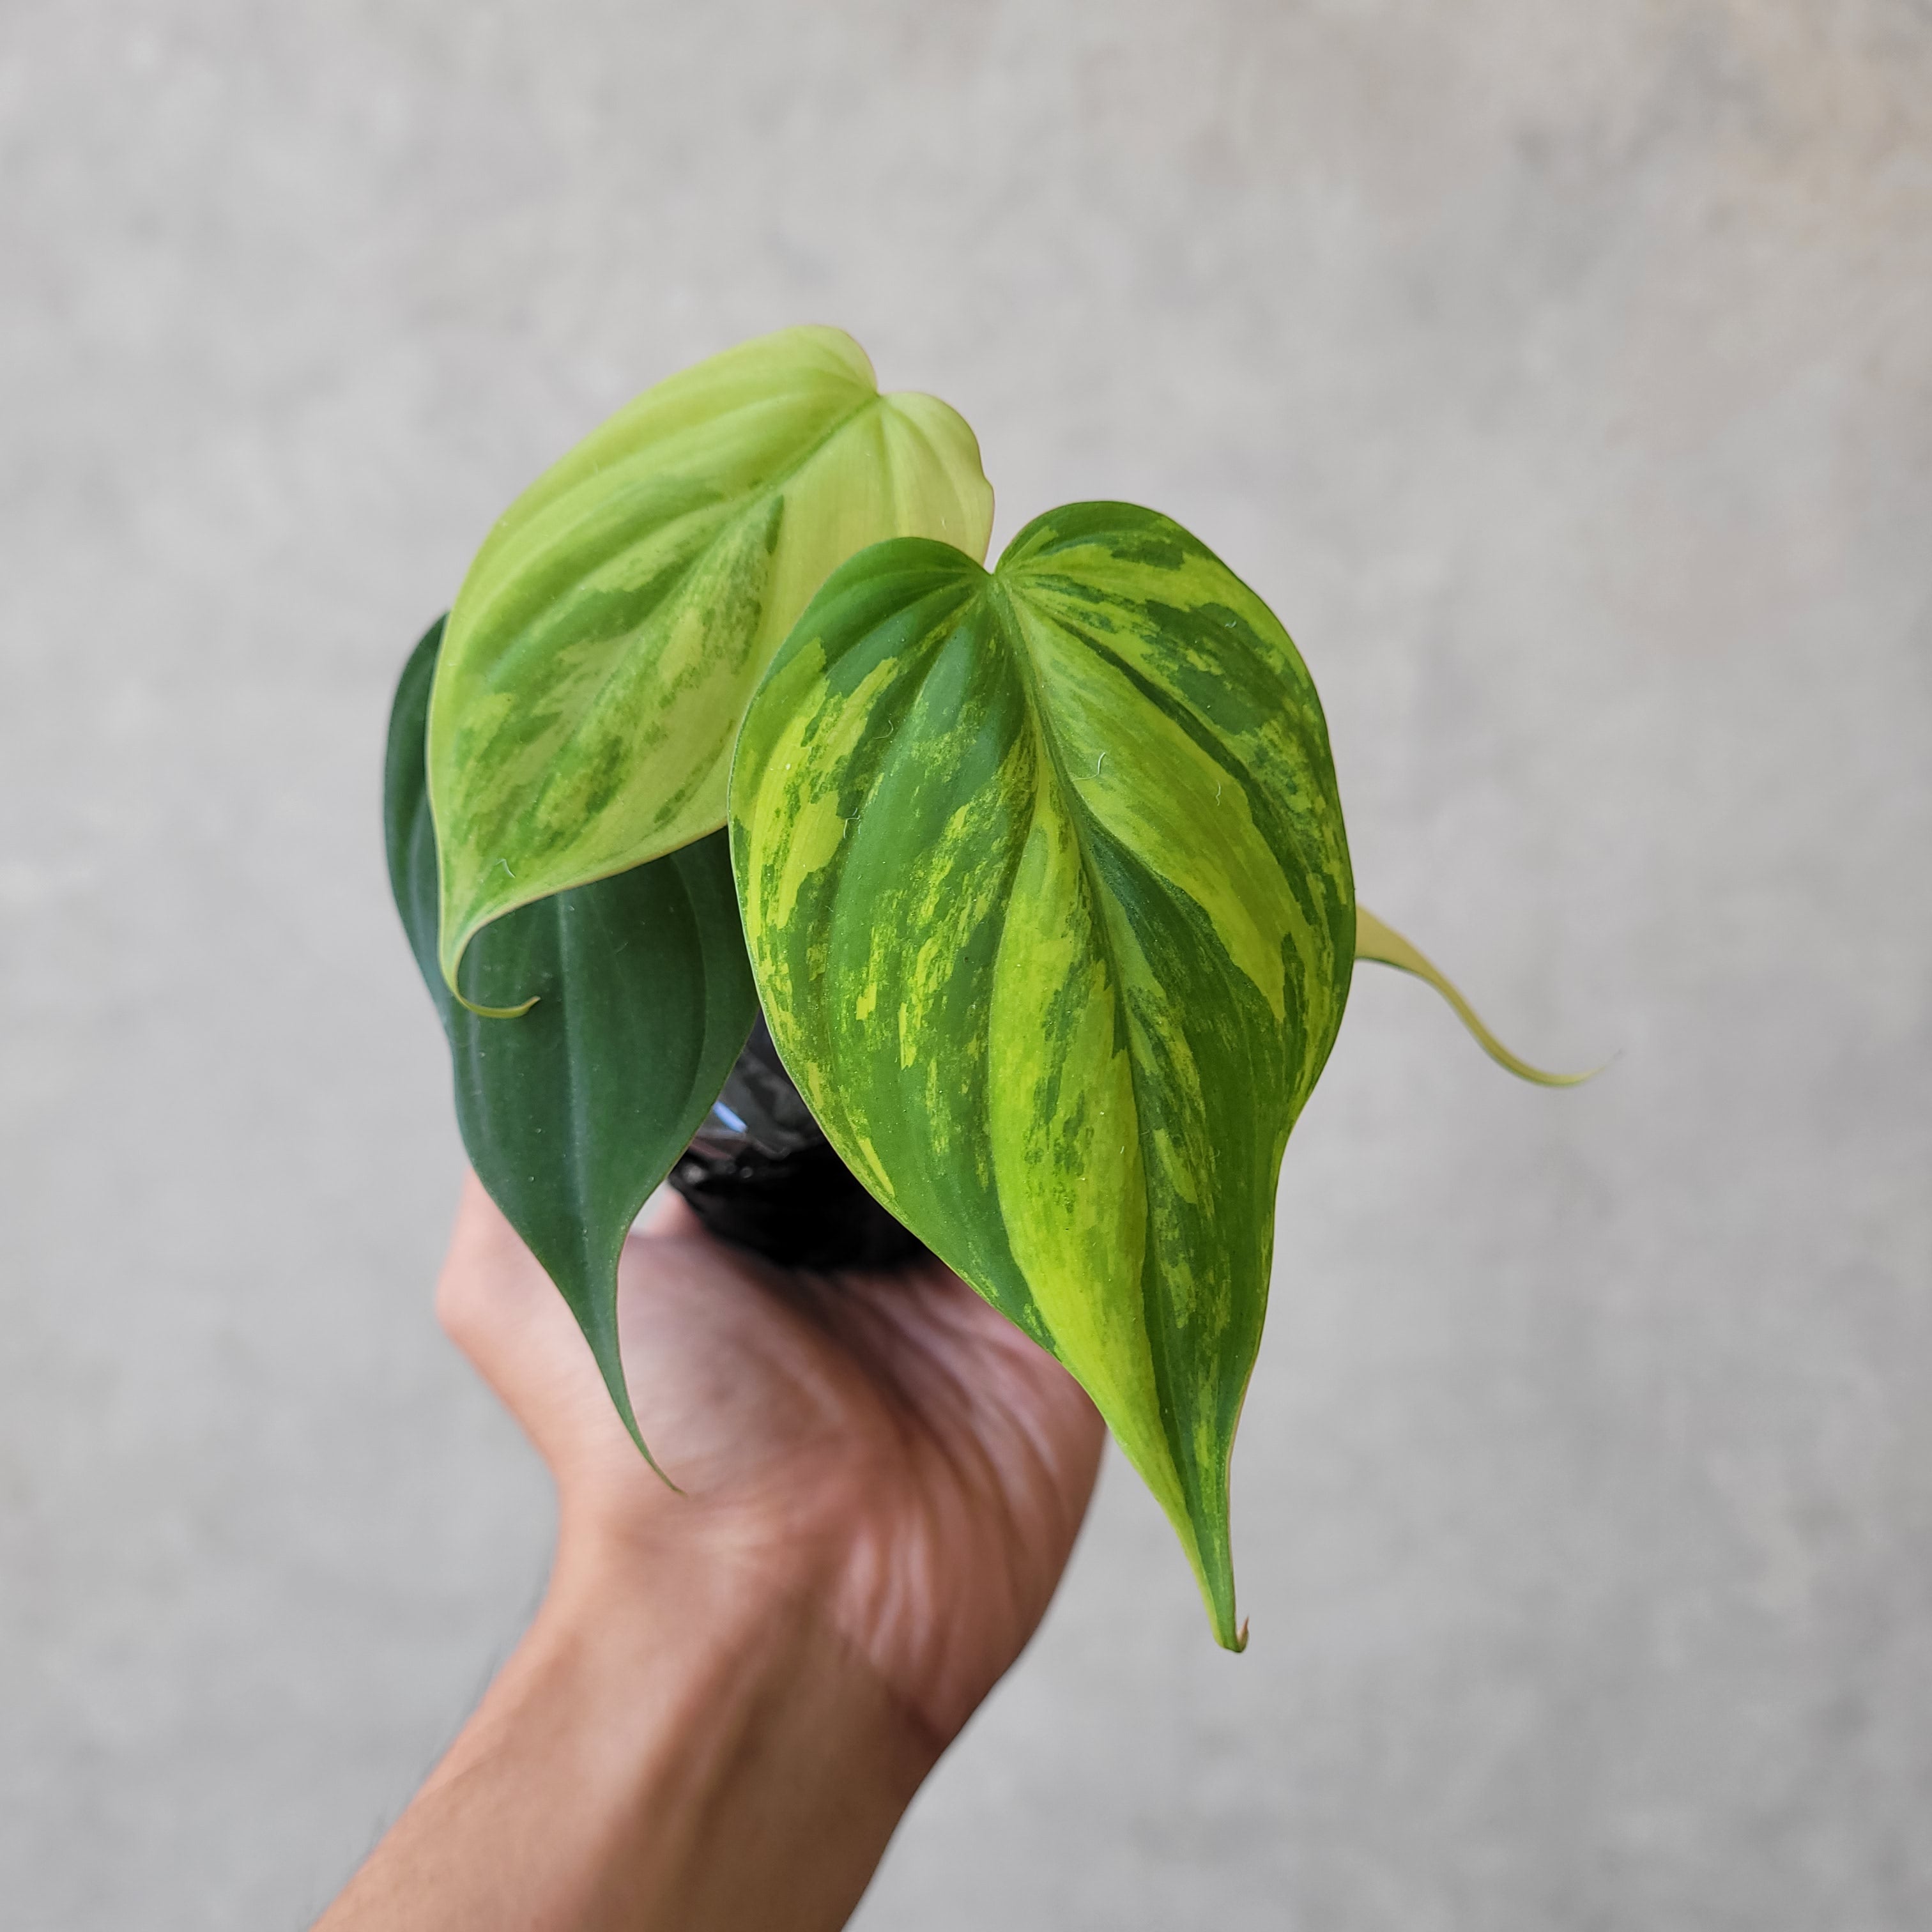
point(613, 627)
point(574, 1112)
point(1049, 904)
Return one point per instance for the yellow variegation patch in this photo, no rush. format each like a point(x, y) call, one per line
point(611, 630)
point(1047, 894)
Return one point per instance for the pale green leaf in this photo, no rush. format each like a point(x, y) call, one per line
point(612, 628)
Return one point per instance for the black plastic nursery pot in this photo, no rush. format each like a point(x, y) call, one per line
point(760, 1174)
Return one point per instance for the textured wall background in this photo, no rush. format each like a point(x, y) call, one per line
point(1562, 375)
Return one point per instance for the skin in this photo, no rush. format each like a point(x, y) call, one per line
point(729, 1696)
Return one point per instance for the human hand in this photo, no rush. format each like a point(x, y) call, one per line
point(885, 1448)
point(733, 1689)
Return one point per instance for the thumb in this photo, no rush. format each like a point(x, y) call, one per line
point(493, 1299)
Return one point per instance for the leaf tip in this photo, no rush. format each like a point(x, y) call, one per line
point(494, 1013)
point(469, 1006)
point(1380, 943)
point(612, 1370)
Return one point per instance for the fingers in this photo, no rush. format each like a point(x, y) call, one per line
point(963, 1364)
point(667, 1214)
point(1058, 1417)
point(1071, 1436)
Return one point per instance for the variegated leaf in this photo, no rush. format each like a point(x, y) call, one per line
point(1048, 901)
point(613, 627)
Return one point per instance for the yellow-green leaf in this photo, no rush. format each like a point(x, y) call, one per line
point(1048, 901)
point(613, 627)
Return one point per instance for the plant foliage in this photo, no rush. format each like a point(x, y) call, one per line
point(574, 1112)
point(611, 630)
point(1041, 869)
point(1048, 900)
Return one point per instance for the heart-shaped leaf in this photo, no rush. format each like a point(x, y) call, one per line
point(1048, 901)
point(574, 1112)
point(612, 628)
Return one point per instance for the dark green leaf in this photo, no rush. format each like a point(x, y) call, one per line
point(573, 1112)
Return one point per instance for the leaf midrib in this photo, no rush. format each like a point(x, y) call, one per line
point(1078, 811)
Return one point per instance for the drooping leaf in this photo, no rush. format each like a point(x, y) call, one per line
point(1386, 946)
point(573, 1112)
point(612, 628)
point(1049, 903)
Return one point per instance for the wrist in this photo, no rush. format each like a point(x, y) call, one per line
point(671, 1745)
point(717, 1737)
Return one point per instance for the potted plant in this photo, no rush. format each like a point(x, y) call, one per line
point(1037, 877)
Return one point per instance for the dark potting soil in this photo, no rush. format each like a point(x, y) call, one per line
point(760, 1174)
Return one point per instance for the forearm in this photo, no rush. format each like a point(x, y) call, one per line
point(659, 1751)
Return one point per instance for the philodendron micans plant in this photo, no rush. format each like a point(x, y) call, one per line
point(1038, 873)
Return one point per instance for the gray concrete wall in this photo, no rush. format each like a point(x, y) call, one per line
point(1563, 375)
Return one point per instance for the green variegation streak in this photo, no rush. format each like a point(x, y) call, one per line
point(1048, 901)
point(611, 630)
point(1387, 947)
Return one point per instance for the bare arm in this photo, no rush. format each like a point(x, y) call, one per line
point(730, 1696)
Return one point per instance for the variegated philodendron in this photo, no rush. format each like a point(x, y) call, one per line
point(609, 635)
point(1042, 871)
